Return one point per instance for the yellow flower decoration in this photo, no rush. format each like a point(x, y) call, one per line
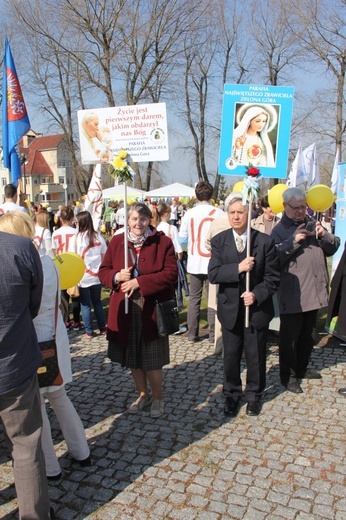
point(119, 163)
point(119, 167)
point(122, 154)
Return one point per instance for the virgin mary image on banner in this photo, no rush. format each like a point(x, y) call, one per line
point(251, 144)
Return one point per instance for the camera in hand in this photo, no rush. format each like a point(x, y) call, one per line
point(310, 226)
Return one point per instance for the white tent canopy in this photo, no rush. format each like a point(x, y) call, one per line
point(118, 193)
point(172, 190)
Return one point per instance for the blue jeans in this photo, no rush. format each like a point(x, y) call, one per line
point(91, 296)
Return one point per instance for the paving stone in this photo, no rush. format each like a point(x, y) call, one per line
point(193, 462)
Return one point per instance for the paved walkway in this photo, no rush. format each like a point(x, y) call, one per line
point(193, 462)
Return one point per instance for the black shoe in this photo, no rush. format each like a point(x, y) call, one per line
point(253, 408)
point(231, 407)
point(55, 477)
point(342, 391)
point(84, 462)
point(311, 374)
point(294, 387)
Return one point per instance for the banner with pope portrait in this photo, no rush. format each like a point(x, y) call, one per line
point(140, 129)
point(255, 129)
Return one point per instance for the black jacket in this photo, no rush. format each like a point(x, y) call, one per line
point(264, 278)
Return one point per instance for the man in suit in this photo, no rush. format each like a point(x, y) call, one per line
point(228, 267)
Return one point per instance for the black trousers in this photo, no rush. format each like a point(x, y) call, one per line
point(254, 343)
point(295, 343)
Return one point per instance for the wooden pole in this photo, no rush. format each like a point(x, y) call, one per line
point(248, 253)
point(126, 246)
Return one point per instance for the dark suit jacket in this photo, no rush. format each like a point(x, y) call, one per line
point(264, 278)
point(337, 297)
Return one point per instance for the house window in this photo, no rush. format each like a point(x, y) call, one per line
point(61, 180)
point(3, 181)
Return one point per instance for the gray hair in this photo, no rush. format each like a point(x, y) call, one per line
point(88, 116)
point(233, 197)
point(294, 193)
point(141, 208)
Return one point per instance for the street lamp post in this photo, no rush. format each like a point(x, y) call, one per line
point(23, 163)
point(65, 188)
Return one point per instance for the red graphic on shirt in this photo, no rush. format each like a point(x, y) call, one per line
point(63, 243)
point(83, 256)
point(196, 241)
point(16, 108)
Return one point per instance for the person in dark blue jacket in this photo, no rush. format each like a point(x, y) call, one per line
point(20, 408)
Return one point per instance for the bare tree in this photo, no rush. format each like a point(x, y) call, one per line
point(320, 25)
point(277, 47)
point(212, 54)
point(70, 63)
point(149, 60)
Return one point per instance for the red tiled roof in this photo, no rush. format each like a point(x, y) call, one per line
point(36, 163)
point(48, 142)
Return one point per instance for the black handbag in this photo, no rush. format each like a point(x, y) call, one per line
point(167, 317)
point(48, 373)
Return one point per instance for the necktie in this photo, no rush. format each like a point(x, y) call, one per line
point(240, 244)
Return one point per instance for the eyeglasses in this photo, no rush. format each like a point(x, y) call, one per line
point(297, 208)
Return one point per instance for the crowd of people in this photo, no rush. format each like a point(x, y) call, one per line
point(279, 267)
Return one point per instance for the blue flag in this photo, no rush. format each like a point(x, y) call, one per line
point(15, 120)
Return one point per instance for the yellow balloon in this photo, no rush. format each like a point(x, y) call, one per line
point(238, 187)
point(320, 197)
point(71, 269)
point(275, 199)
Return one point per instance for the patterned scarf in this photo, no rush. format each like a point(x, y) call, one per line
point(138, 241)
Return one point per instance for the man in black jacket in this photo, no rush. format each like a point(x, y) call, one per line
point(302, 246)
point(227, 267)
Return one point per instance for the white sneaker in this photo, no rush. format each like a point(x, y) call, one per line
point(157, 408)
point(140, 403)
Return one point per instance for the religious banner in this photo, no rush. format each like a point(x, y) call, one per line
point(255, 129)
point(141, 130)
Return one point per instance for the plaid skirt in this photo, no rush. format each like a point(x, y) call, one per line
point(147, 355)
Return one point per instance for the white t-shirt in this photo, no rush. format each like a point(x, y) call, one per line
point(64, 241)
point(171, 232)
point(92, 257)
point(43, 240)
point(11, 206)
point(120, 217)
point(174, 212)
point(194, 228)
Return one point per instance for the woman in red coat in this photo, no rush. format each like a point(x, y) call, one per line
point(133, 338)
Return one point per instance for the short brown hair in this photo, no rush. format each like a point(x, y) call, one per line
point(204, 191)
point(66, 214)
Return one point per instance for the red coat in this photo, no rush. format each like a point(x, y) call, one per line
point(158, 269)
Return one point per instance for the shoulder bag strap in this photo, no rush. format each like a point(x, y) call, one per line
point(56, 305)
